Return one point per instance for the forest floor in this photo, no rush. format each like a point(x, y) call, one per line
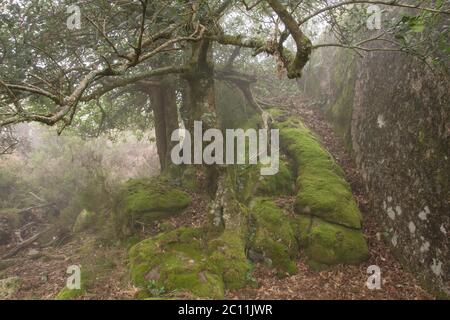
point(43, 270)
point(43, 275)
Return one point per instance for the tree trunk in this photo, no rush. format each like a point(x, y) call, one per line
point(164, 106)
point(199, 100)
point(200, 91)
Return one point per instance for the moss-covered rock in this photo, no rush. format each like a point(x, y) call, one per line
point(201, 262)
point(304, 148)
point(152, 198)
point(323, 191)
point(329, 244)
point(281, 183)
point(228, 259)
point(327, 196)
point(329, 222)
point(175, 261)
point(147, 200)
point(273, 238)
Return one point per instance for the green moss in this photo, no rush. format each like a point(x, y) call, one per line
point(228, 259)
point(151, 197)
point(281, 183)
point(183, 261)
point(69, 294)
point(274, 238)
point(165, 247)
point(301, 224)
point(146, 200)
point(329, 244)
point(244, 179)
point(329, 221)
point(175, 261)
point(323, 192)
point(202, 284)
point(326, 195)
point(143, 294)
point(305, 148)
point(275, 113)
point(131, 241)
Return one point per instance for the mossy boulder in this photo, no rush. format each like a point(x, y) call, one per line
point(273, 238)
point(227, 257)
point(184, 261)
point(329, 244)
point(328, 225)
point(326, 195)
point(152, 198)
point(147, 200)
point(281, 183)
point(175, 261)
point(304, 147)
point(323, 191)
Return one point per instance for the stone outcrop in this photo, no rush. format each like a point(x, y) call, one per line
point(393, 112)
